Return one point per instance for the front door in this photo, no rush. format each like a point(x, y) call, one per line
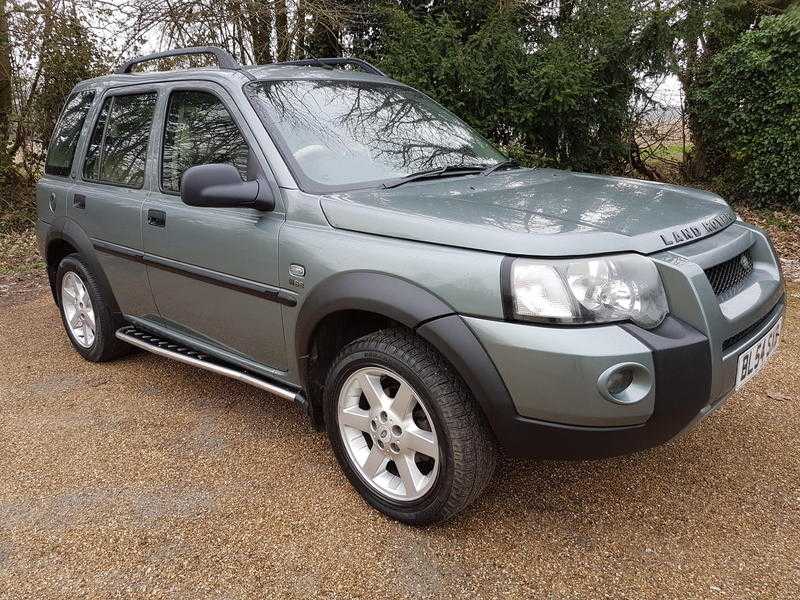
point(213, 271)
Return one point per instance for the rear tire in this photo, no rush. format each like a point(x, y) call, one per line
point(386, 455)
point(86, 312)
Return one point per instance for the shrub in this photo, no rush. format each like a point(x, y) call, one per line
point(551, 89)
point(747, 103)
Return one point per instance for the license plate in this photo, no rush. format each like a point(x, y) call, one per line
point(752, 360)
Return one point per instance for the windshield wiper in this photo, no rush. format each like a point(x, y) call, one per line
point(504, 164)
point(438, 172)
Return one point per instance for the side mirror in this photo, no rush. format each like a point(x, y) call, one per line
point(220, 185)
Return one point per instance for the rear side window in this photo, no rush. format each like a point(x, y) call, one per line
point(61, 151)
point(199, 130)
point(117, 151)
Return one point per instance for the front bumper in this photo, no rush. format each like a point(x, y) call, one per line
point(539, 390)
point(682, 367)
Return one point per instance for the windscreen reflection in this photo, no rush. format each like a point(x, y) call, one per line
point(340, 133)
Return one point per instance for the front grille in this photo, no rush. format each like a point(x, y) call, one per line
point(729, 277)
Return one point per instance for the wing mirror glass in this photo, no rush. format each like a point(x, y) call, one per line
point(220, 185)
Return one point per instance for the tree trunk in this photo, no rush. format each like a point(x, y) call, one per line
point(261, 31)
point(325, 38)
point(300, 28)
point(6, 103)
point(696, 167)
point(284, 44)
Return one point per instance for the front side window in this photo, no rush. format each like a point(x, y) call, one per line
point(62, 147)
point(341, 133)
point(117, 151)
point(199, 130)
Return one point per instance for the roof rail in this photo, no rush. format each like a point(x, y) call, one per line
point(333, 62)
point(224, 58)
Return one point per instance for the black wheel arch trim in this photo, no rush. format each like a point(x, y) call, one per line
point(387, 295)
point(420, 310)
point(451, 336)
point(68, 231)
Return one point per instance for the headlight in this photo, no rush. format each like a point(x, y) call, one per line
point(626, 287)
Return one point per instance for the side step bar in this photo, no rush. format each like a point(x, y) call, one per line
point(169, 349)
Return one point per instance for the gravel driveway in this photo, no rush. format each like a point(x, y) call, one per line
point(146, 478)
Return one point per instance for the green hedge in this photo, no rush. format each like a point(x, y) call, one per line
point(748, 109)
point(551, 91)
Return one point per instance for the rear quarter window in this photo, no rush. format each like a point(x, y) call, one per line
point(117, 151)
point(61, 151)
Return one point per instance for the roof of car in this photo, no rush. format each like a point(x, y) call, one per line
point(230, 69)
point(243, 75)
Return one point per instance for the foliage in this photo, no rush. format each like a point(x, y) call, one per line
point(50, 51)
point(76, 57)
point(555, 86)
point(747, 102)
point(566, 83)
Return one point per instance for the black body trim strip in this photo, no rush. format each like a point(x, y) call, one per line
point(117, 250)
point(66, 231)
point(268, 292)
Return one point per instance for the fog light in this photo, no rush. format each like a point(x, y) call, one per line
point(619, 381)
point(625, 383)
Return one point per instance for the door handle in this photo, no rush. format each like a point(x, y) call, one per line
point(156, 218)
point(79, 201)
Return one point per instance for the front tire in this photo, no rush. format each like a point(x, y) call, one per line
point(86, 312)
point(405, 429)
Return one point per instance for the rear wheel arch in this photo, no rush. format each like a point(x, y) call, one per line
point(86, 310)
point(56, 250)
point(67, 238)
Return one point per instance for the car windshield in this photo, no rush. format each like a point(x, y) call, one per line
point(338, 134)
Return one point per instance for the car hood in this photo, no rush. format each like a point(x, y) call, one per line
point(534, 212)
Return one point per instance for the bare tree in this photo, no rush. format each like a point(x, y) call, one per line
point(261, 31)
point(6, 99)
point(282, 40)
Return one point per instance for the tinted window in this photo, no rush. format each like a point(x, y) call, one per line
point(117, 150)
point(339, 133)
point(199, 130)
point(61, 151)
point(91, 164)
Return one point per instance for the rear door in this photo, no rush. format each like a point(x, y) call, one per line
point(213, 271)
point(109, 193)
point(54, 190)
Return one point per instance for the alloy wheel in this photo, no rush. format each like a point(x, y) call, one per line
point(388, 434)
point(78, 310)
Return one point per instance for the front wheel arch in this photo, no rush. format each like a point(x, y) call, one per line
point(347, 306)
point(392, 297)
point(392, 301)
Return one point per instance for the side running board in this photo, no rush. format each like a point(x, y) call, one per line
point(169, 349)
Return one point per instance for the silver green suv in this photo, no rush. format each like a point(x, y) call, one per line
point(340, 240)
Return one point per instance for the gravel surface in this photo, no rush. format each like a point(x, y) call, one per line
point(146, 478)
